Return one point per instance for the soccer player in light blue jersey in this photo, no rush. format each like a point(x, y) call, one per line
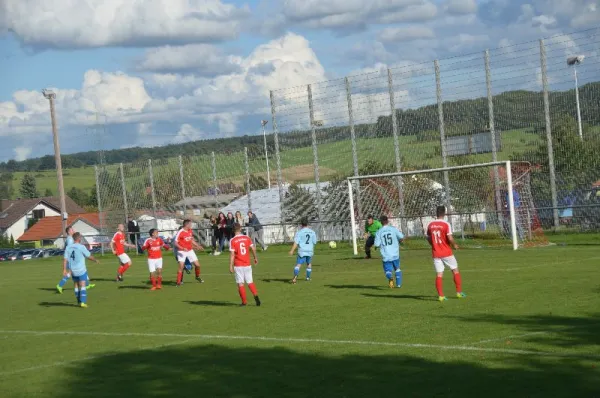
point(74, 258)
point(305, 241)
point(388, 240)
point(66, 272)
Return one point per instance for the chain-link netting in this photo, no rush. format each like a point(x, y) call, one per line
point(521, 102)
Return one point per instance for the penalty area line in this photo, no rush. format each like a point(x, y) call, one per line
point(439, 347)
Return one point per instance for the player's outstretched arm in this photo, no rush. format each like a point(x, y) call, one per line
point(112, 247)
point(377, 240)
point(197, 245)
point(231, 261)
point(452, 242)
point(254, 254)
point(294, 247)
point(65, 272)
point(94, 259)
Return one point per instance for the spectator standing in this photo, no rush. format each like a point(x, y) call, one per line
point(230, 223)
point(214, 227)
point(222, 228)
point(255, 230)
point(239, 219)
point(134, 233)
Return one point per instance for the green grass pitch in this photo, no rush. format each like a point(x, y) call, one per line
point(530, 327)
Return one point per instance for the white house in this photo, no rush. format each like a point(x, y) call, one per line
point(48, 231)
point(17, 215)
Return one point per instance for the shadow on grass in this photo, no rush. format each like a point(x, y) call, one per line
point(280, 280)
point(225, 371)
point(401, 296)
point(94, 280)
point(51, 289)
point(362, 287)
point(212, 303)
point(57, 304)
point(134, 287)
point(558, 331)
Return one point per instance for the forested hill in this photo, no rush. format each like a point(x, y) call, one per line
point(513, 110)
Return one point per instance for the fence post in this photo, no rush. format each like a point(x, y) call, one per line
point(152, 192)
point(492, 125)
point(102, 232)
point(213, 162)
point(442, 124)
point(124, 189)
point(399, 182)
point(549, 135)
point(354, 144)
point(182, 182)
point(248, 189)
point(313, 129)
point(278, 162)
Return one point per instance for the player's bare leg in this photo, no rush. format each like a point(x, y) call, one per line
point(197, 270)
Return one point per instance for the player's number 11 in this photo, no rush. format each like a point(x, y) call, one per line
point(437, 236)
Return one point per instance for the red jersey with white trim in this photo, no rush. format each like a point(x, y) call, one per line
point(438, 232)
point(184, 239)
point(154, 247)
point(240, 245)
point(119, 241)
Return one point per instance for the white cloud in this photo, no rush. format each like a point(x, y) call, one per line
point(188, 133)
point(199, 59)
point(459, 7)
point(406, 33)
point(425, 11)
point(97, 23)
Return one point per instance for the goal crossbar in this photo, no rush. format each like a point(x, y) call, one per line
point(509, 186)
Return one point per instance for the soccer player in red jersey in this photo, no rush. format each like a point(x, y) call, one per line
point(439, 236)
point(118, 245)
point(185, 244)
point(239, 263)
point(154, 245)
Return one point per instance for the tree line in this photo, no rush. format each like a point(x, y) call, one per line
point(512, 109)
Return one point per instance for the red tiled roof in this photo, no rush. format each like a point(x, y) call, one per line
point(51, 227)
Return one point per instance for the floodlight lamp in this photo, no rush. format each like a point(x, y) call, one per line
point(576, 60)
point(48, 93)
point(264, 122)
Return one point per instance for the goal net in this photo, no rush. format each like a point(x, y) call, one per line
point(487, 204)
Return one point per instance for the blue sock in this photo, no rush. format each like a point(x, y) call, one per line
point(296, 271)
point(64, 280)
point(308, 272)
point(76, 290)
point(83, 295)
point(398, 277)
point(87, 282)
point(388, 275)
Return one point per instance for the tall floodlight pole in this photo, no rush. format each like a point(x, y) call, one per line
point(263, 123)
point(574, 61)
point(51, 96)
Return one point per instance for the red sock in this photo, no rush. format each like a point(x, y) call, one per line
point(438, 286)
point(153, 279)
point(252, 288)
point(125, 267)
point(458, 282)
point(159, 281)
point(197, 271)
point(242, 291)
point(179, 277)
point(120, 270)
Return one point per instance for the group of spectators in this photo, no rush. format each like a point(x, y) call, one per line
point(223, 231)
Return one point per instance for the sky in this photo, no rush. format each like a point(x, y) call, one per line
point(153, 72)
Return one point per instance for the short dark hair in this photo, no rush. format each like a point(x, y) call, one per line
point(304, 221)
point(440, 211)
point(76, 236)
point(68, 228)
point(237, 227)
point(384, 219)
point(186, 222)
point(152, 230)
point(370, 217)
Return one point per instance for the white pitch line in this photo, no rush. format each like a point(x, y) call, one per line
point(62, 363)
point(300, 340)
point(515, 336)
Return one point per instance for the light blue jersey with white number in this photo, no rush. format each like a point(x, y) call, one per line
point(69, 241)
point(306, 239)
point(76, 255)
point(388, 240)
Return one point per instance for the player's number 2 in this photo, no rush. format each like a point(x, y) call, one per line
point(307, 239)
point(242, 249)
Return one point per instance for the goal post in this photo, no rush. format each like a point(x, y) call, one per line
point(473, 210)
